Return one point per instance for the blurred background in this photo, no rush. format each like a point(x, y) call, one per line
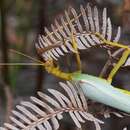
point(21, 21)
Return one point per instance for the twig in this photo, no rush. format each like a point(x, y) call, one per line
point(9, 99)
point(109, 61)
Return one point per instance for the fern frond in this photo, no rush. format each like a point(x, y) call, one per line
point(127, 63)
point(117, 37)
point(109, 29)
point(108, 112)
point(85, 19)
point(104, 20)
point(90, 18)
point(96, 19)
point(83, 26)
point(45, 112)
point(77, 20)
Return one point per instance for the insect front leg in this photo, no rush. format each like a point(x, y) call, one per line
point(122, 60)
point(112, 44)
point(55, 70)
point(76, 53)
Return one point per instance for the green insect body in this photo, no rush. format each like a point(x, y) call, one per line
point(101, 91)
point(76, 37)
point(71, 36)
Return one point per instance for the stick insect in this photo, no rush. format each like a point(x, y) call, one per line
point(82, 32)
point(77, 38)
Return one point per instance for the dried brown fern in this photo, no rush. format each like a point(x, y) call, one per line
point(46, 111)
point(84, 27)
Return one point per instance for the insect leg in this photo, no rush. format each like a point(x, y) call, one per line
point(114, 44)
point(51, 68)
point(122, 60)
point(76, 52)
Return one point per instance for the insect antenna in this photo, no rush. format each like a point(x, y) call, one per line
point(38, 62)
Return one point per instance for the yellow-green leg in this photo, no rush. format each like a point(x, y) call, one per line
point(118, 65)
point(114, 44)
point(76, 53)
point(55, 70)
point(122, 59)
point(50, 67)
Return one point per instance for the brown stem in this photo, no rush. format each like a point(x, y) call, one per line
point(42, 24)
point(9, 100)
point(9, 103)
point(5, 69)
point(4, 43)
